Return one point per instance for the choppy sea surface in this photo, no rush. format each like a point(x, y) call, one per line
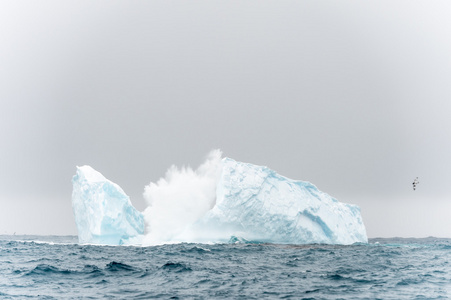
point(57, 267)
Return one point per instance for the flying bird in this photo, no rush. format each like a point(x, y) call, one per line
point(415, 183)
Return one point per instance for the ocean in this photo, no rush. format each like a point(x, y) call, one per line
point(57, 267)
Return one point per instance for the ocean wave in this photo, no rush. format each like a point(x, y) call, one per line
point(46, 271)
point(176, 267)
point(120, 267)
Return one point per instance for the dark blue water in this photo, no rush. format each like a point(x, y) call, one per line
point(58, 268)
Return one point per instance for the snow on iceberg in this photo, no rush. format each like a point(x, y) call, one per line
point(103, 212)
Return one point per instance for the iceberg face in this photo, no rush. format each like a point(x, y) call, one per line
point(103, 212)
point(254, 203)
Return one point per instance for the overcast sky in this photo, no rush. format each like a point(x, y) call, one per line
point(353, 96)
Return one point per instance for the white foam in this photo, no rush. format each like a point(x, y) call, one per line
point(179, 199)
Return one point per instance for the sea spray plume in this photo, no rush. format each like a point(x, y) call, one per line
point(179, 199)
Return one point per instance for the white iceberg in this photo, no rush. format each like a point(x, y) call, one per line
point(255, 203)
point(222, 201)
point(103, 212)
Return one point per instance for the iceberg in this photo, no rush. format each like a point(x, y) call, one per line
point(103, 212)
point(254, 203)
point(223, 201)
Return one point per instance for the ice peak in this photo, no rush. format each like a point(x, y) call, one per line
point(90, 174)
point(103, 212)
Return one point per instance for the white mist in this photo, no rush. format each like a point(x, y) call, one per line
point(179, 199)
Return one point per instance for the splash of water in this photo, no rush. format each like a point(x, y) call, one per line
point(179, 199)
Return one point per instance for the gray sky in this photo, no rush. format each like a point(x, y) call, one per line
point(353, 96)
